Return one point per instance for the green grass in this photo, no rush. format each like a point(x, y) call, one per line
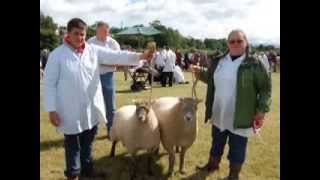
point(263, 157)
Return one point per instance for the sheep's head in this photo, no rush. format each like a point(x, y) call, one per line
point(142, 110)
point(189, 108)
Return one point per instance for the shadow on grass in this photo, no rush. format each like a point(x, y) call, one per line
point(121, 167)
point(125, 91)
point(198, 175)
point(47, 145)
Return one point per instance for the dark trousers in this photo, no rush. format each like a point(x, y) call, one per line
point(149, 79)
point(165, 77)
point(109, 96)
point(78, 152)
point(237, 145)
point(158, 78)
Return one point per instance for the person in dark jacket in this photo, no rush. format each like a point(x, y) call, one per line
point(44, 58)
point(186, 61)
point(238, 96)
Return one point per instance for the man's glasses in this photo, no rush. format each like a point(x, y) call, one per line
point(239, 41)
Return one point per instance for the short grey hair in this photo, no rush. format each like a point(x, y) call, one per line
point(102, 23)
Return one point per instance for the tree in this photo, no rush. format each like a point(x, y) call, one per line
point(91, 31)
point(168, 37)
point(115, 30)
point(155, 23)
point(48, 37)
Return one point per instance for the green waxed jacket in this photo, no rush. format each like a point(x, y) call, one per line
point(253, 90)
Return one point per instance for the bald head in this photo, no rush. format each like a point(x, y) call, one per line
point(102, 30)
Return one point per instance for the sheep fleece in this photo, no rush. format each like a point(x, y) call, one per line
point(134, 134)
point(174, 130)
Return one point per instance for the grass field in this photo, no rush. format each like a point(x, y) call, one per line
point(263, 157)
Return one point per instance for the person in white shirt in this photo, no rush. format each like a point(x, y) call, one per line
point(103, 39)
point(168, 69)
point(159, 61)
point(73, 94)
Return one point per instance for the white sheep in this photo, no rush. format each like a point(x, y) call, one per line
point(136, 126)
point(178, 125)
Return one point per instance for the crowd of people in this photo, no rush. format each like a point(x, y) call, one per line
point(270, 60)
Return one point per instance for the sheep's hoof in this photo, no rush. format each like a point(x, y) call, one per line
point(133, 176)
point(182, 172)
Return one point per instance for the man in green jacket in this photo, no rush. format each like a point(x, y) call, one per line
point(238, 96)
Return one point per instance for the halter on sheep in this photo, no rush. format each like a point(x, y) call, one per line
point(193, 95)
point(151, 48)
point(194, 83)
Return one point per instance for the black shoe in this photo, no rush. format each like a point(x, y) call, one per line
point(212, 165)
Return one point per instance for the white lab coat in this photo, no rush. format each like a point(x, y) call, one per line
point(72, 85)
point(225, 82)
point(170, 61)
point(160, 58)
point(110, 43)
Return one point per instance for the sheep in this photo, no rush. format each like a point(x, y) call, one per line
point(178, 125)
point(136, 126)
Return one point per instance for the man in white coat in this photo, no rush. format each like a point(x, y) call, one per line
point(73, 95)
point(106, 71)
point(169, 65)
point(159, 61)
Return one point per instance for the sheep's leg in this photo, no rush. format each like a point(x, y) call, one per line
point(182, 153)
point(133, 166)
point(150, 159)
point(171, 162)
point(113, 148)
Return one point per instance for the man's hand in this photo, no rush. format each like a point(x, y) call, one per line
point(258, 120)
point(54, 118)
point(147, 55)
point(194, 69)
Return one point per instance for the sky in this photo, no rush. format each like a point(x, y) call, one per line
point(259, 19)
